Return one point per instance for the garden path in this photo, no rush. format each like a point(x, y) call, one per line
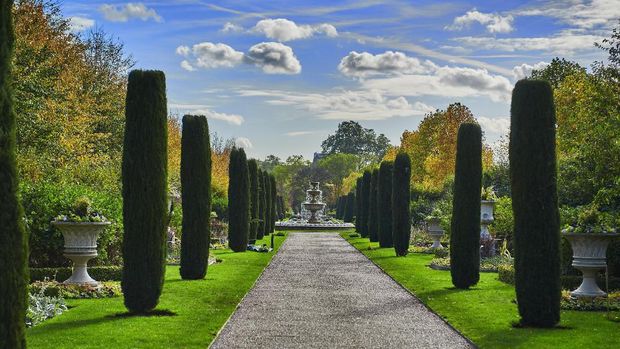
point(321, 292)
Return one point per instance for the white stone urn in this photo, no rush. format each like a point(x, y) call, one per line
point(486, 217)
point(434, 230)
point(589, 256)
point(80, 247)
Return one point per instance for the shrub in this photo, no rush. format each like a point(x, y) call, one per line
point(253, 173)
point(503, 225)
point(13, 246)
point(99, 273)
point(238, 201)
point(373, 223)
point(219, 204)
point(349, 208)
point(145, 190)
point(42, 307)
point(535, 203)
point(506, 273)
point(364, 199)
point(384, 204)
point(196, 192)
point(465, 225)
point(401, 226)
point(73, 291)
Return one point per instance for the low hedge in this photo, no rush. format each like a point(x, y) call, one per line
point(506, 273)
point(103, 273)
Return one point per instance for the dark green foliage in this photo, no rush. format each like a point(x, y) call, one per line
point(101, 273)
point(253, 170)
point(260, 231)
point(358, 205)
point(281, 210)
point(145, 189)
point(339, 208)
point(274, 202)
point(373, 224)
point(238, 201)
point(465, 225)
point(384, 204)
point(268, 203)
point(13, 246)
point(349, 208)
point(535, 203)
point(196, 193)
point(401, 226)
point(364, 199)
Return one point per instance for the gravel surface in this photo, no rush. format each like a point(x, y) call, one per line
point(320, 292)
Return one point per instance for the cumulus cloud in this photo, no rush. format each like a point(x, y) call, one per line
point(565, 43)
point(78, 24)
point(242, 142)
point(210, 55)
point(187, 65)
point(124, 13)
point(525, 70)
point(498, 126)
point(183, 51)
point(232, 119)
point(273, 58)
point(231, 28)
point(364, 64)
point(494, 23)
point(282, 29)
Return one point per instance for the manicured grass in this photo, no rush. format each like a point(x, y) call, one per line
point(201, 307)
point(485, 313)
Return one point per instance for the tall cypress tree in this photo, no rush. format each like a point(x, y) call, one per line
point(13, 242)
point(238, 201)
point(384, 204)
point(274, 202)
point(373, 223)
point(281, 207)
point(253, 172)
point(196, 193)
point(358, 205)
point(365, 203)
point(268, 203)
point(261, 205)
point(465, 237)
point(145, 190)
point(533, 175)
point(401, 226)
point(349, 208)
point(338, 204)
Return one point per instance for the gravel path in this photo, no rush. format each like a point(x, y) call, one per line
point(320, 292)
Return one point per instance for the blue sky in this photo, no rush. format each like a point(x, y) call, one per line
point(280, 75)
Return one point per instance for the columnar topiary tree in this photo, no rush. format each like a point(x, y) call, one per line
point(373, 223)
point(349, 208)
point(268, 203)
point(253, 173)
point(238, 201)
point(365, 203)
point(358, 205)
point(196, 193)
point(13, 246)
point(338, 207)
point(401, 229)
point(260, 232)
point(274, 202)
point(535, 203)
point(465, 228)
point(384, 204)
point(280, 207)
point(145, 190)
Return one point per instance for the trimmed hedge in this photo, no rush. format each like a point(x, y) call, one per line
point(358, 203)
point(465, 225)
point(373, 223)
point(253, 172)
point(145, 189)
point(196, 193)
point(13, 243)
point(401, 226)
point(533, 174)
point(506, 274)
point(349, 208)
point(384, 204)
point(238, 201)
point(364, 199)
point(101, 273)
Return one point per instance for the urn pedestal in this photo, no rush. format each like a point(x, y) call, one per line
point(589, 256)
point(80, 247)
point(433, 229)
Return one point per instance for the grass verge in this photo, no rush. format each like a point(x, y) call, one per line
point(485, 313)
point(199, 309)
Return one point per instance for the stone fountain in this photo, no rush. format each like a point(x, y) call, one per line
point(313, 214)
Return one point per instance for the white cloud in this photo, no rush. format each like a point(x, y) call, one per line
point(585, 14)
point(232, 119)
point(123, 13)
point(273, 58)
point(231, 28)
point(187, 65)
point(183, 51)
point(525, 70)
point(300, 133)
point(364, 64)
point(78, 24)
point(242, 142)
point(495, 23)
point(210, 55)
point(498, 126)
point(564, 43)
point(282, 29)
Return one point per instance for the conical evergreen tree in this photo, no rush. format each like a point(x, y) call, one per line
point(465, 237)
point(384, 204)
point(365, 203)
point(145, 190)
point(274, 202)
point(358, 205)
point(13, 242)
point(253, 172)
point(268, 208)
point(373, 223)
point(401, 226)
point(349, 208)
point(535, 203)
point(238, 201)
point(261, 205)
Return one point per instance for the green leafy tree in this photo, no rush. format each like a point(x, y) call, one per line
point(401, 226)
point(535, 203)
point(465, 225)
point(145, 157)
point(253, 172)
point(558, 70)
point(373, 223)
point(384, 203)
point(196, 193)
point(339, 166)
point(352, 138)
point(238, 201)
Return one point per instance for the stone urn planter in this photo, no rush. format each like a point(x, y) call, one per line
point(486, 217)
point(589, 256)
point(80, 247)
point(433, 229)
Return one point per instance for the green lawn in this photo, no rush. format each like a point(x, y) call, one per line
point(201, 308)
point(485, 313)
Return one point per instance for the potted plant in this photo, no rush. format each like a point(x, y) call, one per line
point(433, 227)
point(81, 228)
point(589, 237)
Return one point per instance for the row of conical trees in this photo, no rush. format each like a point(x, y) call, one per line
point(253, 203)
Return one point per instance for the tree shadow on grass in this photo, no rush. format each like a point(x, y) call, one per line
point(152, 313)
